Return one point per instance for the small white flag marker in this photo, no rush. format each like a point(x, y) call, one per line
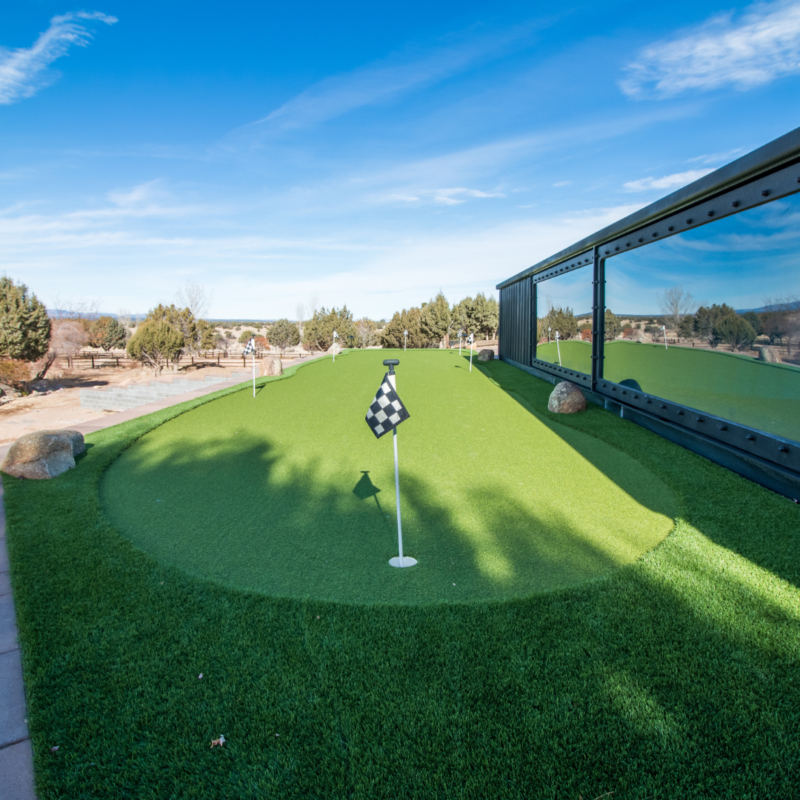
point(333, 346)
point(470, 340)
point(558, 347)
point(664, 330)
point(385, 413)
point(405, 339)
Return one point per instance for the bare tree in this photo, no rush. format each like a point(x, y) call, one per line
point(365, 332)
point(785, 311)
point(67, 339)
point(676, 304)
point(125, 318)
point(313, 304)
point(300, 310)
point(196, 298)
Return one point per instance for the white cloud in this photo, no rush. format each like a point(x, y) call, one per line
point(562, 183)
point(716, 158)
point(24, 71)
point(667, 181)
point(762, 45)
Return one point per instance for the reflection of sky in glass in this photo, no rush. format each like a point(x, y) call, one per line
point(744, 261)
point(571, 290)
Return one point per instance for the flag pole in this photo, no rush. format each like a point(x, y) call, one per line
point(664, 328)
point(400, 561)
point(558, 347)
point(470, 352)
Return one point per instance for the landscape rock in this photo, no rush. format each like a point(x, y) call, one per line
point(566, 398)
point(43, 454)
point(271, 365)
point(769, 354)
point(486, 355)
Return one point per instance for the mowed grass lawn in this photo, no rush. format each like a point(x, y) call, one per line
point(736, 387)
point(674, 675)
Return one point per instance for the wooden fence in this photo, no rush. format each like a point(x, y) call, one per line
point(216, 358)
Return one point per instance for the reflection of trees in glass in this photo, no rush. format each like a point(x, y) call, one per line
point(612, 325)
point(735, 331)
point(707, 318)
point(561, 320)
point(676, 304)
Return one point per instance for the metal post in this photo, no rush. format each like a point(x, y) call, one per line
point(664, 329)
point(598, 318)
point(254, 374)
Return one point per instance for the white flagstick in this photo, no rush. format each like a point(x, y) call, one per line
point(663, 328)
point(558, 347)
point(333, 346)
point(398, 561)
point(254, 373)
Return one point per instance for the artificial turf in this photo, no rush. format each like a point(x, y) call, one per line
point(289, 492)
point(675, 676)
point(734, 386)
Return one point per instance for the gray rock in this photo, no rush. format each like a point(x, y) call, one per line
point(271, 365)
point(566, 398)
point(486, 355)
point(769, 354)
point(43, 454)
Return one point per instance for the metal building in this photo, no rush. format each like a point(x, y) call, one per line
point(710, 233)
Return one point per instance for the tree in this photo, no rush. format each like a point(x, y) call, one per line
point(462, 317)
point(194, 297)
point(706, 319)
point(611, 325)
point(436, 319)
point(156, 343)
point(68, 338)
point(106, 332)
point(318, 333)
point(25, 327)
point(284, 334)
point(410, 320)
point(686, 328)
point(485, 315)
point(246, 336)
point(754, 320)
point(735, 331)
point(675, 303)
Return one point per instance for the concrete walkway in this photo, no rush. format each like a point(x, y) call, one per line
point(16, 752)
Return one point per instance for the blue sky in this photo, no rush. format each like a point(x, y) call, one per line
point(368, 155)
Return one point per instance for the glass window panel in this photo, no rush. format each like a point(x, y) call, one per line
point(564, 305)
point(728, 296)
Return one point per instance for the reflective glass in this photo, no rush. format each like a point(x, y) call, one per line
point(564, 306)
point(728, 297)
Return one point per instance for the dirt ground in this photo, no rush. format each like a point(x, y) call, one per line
point(57, 402)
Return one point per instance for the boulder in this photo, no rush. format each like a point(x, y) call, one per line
point(566, 398)
point(486, 355)
point(769, 354)
point(43, 454)
point(271, 365)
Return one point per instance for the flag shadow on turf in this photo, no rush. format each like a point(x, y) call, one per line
point(365, 489)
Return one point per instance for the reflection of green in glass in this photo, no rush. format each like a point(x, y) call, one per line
point(739, 388)
point(574, 355)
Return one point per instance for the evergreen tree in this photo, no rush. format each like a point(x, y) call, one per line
point(410, 320)
point(283, 334)
point(318, 331)
point(24, 325)
point(485, 315)
point(611, 326)
point(735, 331)
point(436, 320)
point(155, 343)
point(106, 332)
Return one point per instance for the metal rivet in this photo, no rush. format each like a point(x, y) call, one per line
point(671, 228)
point(680, 413)
point(655, 233)
point(607, 252)
point(689, 221)
point(736, 204)
point(648, 401)
point(710, 213)
point(765, 193)
point(700, 419)
point(783, 449)
point(722, 427)
point(663, 406)
point(616, 248)
point(624, 392)
point(641, 240)
point(750, 437)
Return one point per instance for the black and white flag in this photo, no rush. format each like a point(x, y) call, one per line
point(251, 347)
point(386, 411)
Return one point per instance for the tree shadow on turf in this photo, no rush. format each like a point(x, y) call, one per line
point(767, 542)
point(242, 515)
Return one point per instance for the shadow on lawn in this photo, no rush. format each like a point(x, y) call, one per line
point(248, 517)
point(750, 527)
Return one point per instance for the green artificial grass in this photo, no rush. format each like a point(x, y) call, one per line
point(675, 676)
point(754, 393)
point(291, 494)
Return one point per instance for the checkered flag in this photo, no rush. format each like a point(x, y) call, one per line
point(386, 411)
point(251, 347)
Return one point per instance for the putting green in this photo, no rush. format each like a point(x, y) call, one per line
point(290, 494)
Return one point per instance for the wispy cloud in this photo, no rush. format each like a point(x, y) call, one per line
point(24, 71)
point(666, 181)
point(760, 46)
point(716, 158)
point(382, 80)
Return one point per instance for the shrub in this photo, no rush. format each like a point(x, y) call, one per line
point(155, 344)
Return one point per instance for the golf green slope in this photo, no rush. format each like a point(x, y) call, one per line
point(290, 494)
point(739, 388)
